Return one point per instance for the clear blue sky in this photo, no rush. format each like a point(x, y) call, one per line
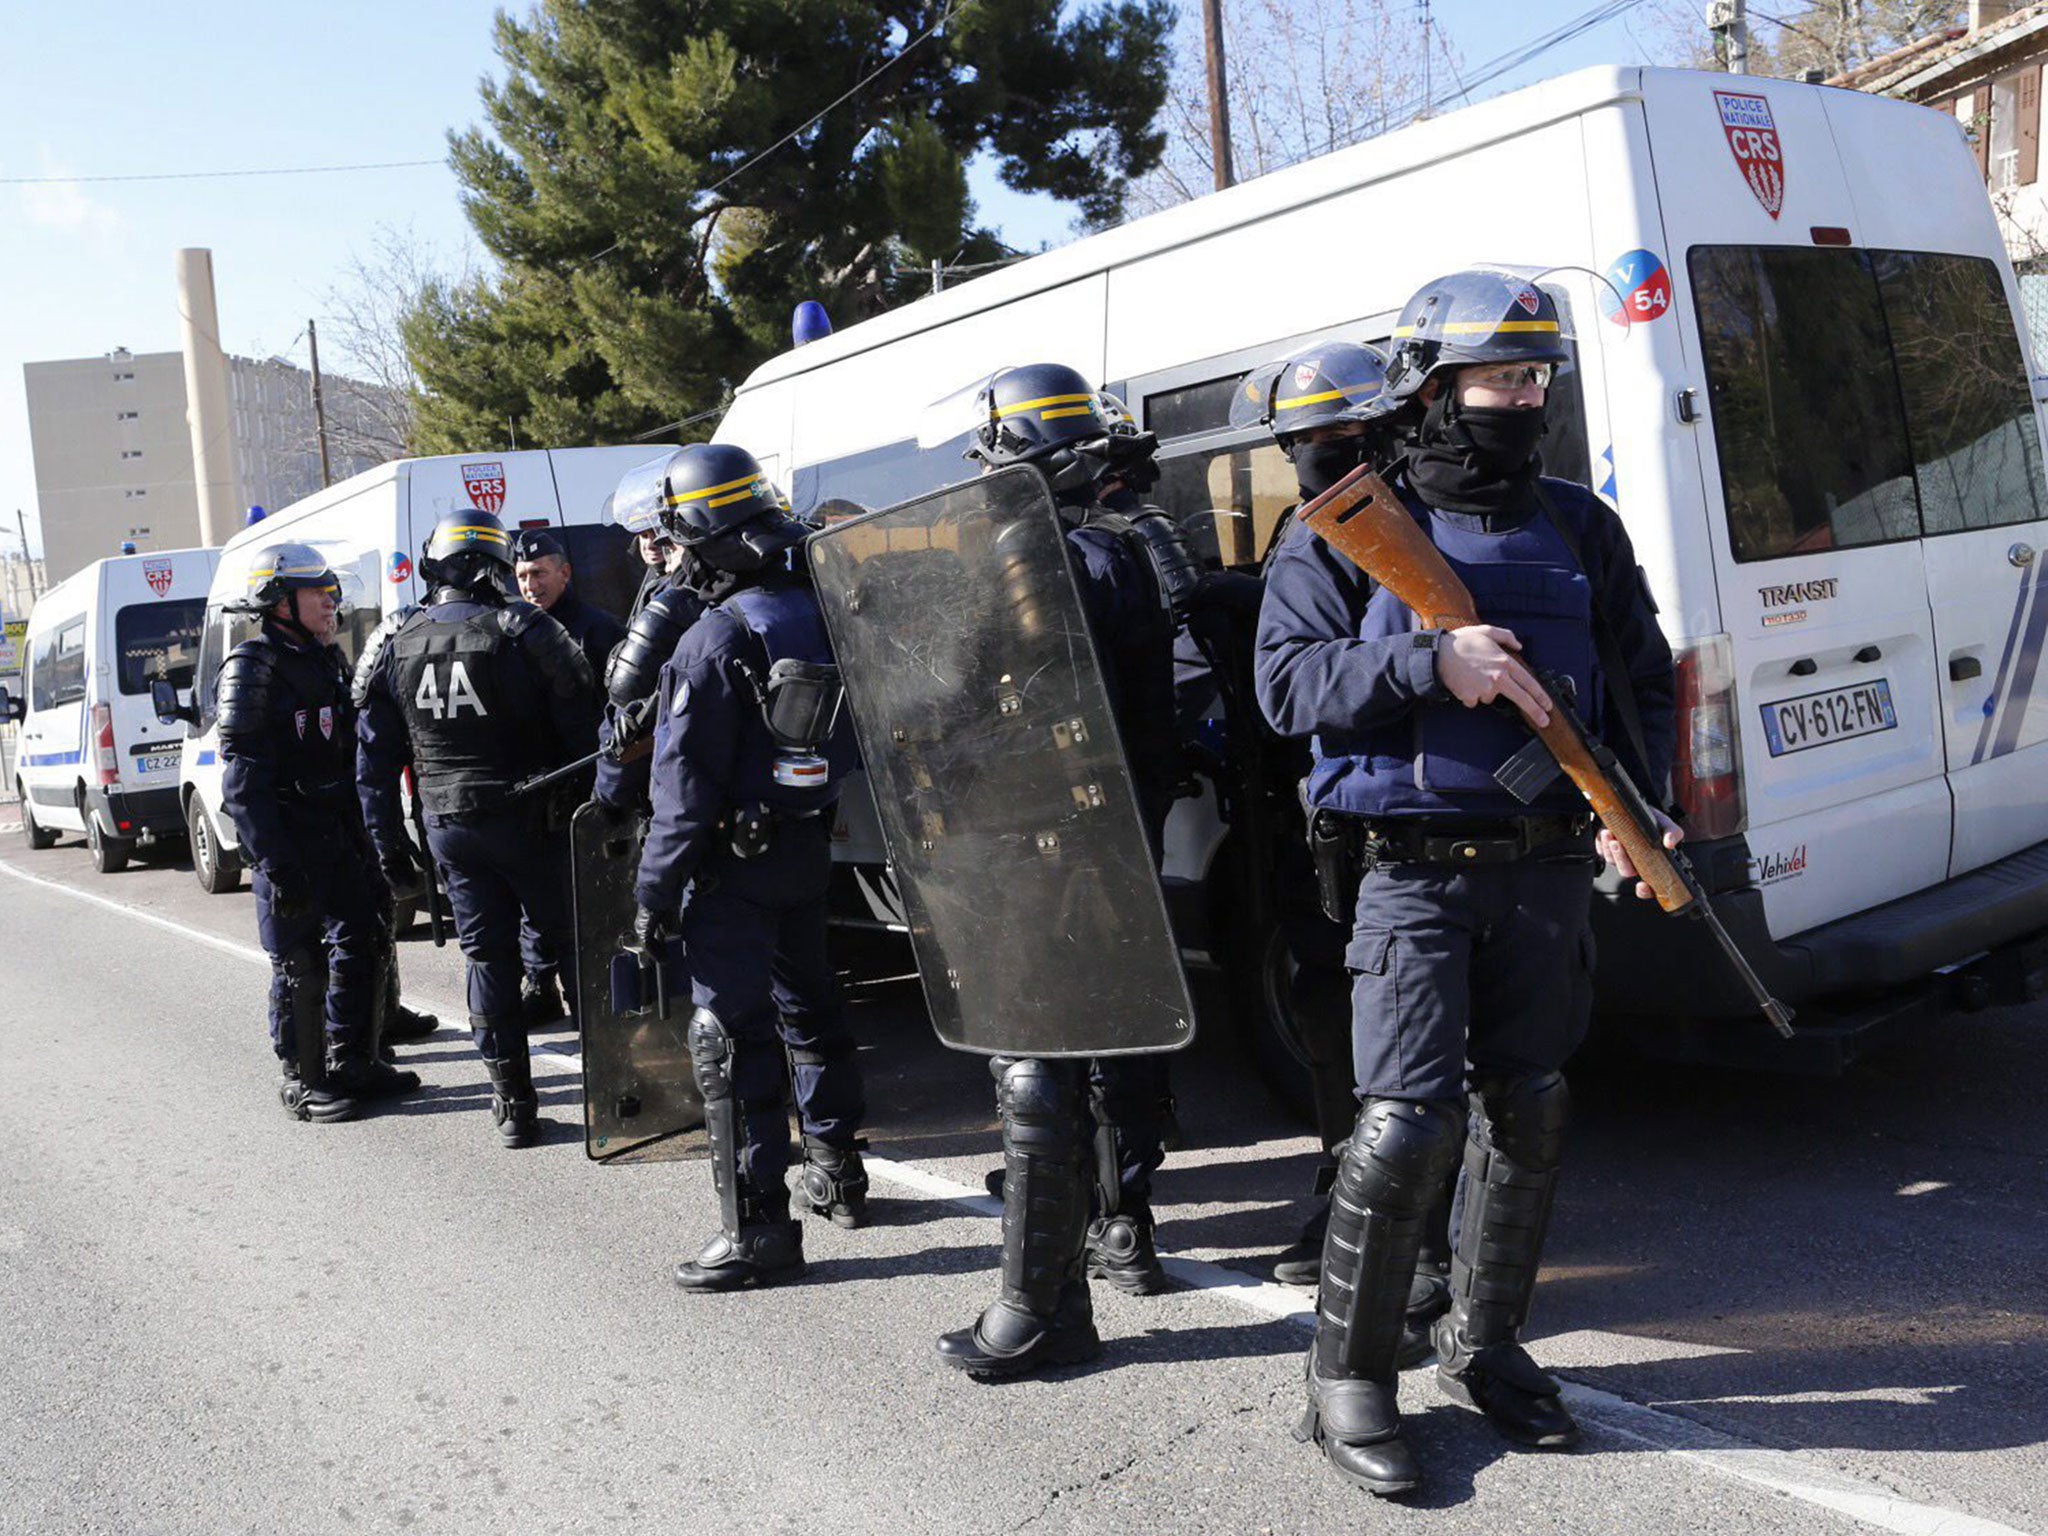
point(134, 88)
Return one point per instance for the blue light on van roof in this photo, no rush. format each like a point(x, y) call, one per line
point(253, 516)
point(127, 546)
point(810, 323)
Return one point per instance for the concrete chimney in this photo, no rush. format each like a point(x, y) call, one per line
point(207, 413)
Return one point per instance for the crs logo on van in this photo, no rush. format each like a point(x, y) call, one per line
point(158, 574)
point(486, 485)
point(1641, 288)
point(1753, 140)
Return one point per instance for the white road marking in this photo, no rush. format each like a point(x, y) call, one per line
point(1780, 1471)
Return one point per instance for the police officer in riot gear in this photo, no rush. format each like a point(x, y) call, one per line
point(749, 756)
point(1048, 416)
point(673, 596)
point(287, 748)
point(540, 565)
point(1328, 411)
point(1470, 950)
point(475, 692)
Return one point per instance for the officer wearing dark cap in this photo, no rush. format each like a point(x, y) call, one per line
point(1328, 412)
point(1470, 954)
point(1065, 1120)
point(540, 565)
point(474, 693)
point(287, 750)
point(749, 757)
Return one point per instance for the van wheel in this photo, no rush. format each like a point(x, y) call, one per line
point(216, 870)
point(109, 854)
point(33, 832)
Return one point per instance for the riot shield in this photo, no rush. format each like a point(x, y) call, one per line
point(639, 1092)
point(1005, 798)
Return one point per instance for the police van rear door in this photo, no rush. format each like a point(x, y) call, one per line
point(1953, 309)
point(1810, 498)
point(154, 614)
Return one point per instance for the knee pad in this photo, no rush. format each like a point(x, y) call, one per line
point(1400, 1153)
point(1041, 1107)
point(711, 1054)
point(1526, 1117)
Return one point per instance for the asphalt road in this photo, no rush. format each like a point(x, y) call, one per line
point(1780, 1306)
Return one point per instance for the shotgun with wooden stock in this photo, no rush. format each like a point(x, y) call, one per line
point(1362, 518)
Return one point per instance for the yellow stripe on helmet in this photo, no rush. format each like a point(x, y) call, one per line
point(717, 490)
point(1482, 327)
point(1329, 394)
point(726, 501)
point(1066, 410)
point(1087, 401)
point(472, 531)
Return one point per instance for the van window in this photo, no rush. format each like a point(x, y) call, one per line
point(1860, 397)
point(1803, 399)
point(1969, 412)
point(57, 667)
point(153, 640)
point(881, 477)
point(1249, 487)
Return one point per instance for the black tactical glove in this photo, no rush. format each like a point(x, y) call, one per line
point(291, 892)
point(652, 929)
point(401, 867)
point(629, 722)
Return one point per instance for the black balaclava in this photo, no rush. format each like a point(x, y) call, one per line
point(1479, 459)
point(1318, 466)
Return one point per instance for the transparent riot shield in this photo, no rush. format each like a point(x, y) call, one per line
point(1004, 795)
point(639, 1092)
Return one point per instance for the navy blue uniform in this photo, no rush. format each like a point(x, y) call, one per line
point(662, 615)
point(287, 750)
point(475, 696)
point(1451, 965)
point(753, 926)
point(596, 634)
point(1133, 629)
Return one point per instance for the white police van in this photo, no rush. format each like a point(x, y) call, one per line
point(93, 758)
point(1806, 391)
point(371, 527)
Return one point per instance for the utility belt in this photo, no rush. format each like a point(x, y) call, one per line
point(750, 830)
point(1345, 849)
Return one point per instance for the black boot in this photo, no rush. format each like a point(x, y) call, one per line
point(834, 1182)
point(756, 1243)
point(1044, 1315)
point(403, 1023)
point(352, 1070)
point(318, 1101)
point(1390, 1170)
point(1301, 1261)
point(515, 1108)
point(540, 1000)
point(1120, 1251)
point(1511, 1159)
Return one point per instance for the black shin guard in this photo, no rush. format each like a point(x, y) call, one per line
point(1511, 1161)
point(756, 1242)
point(305, 1089)
point(1397, 1159)
point(514, 1105)
point(1044, 1315)
point(834, 1182)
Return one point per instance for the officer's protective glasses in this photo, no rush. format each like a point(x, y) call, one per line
point(1511, 376)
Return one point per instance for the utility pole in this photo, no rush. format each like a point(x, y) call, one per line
point(938, 275)
point(319, 406)
point(27, 559)
point(1428, 101)
point(1728, 20)
point(1219, 93)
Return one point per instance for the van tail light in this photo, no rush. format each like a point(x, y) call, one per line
point(1706, 773)
point(104, 757)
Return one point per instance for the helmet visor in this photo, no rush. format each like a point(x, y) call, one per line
point(642, 496)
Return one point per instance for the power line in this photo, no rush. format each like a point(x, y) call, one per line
point(287, 170)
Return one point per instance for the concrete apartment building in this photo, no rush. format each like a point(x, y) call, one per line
point(113, 452)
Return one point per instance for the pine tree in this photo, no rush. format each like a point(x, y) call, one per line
point(653, 231)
